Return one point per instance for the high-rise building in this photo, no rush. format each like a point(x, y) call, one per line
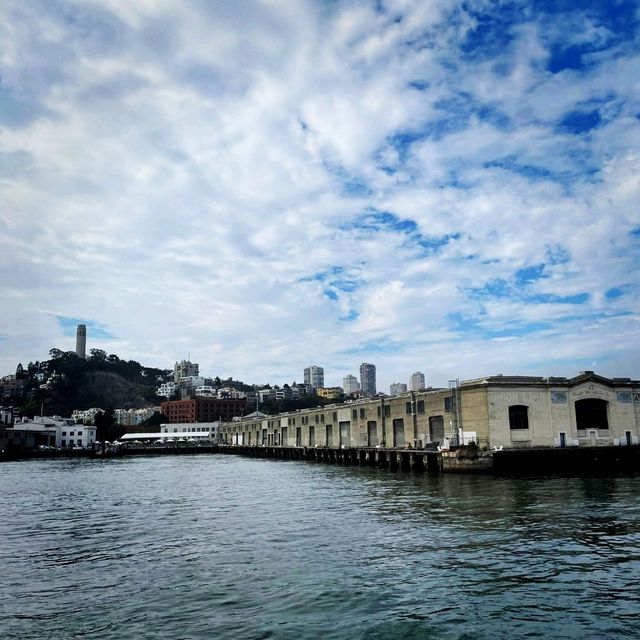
point(350, 384)
point(81, 341)
point(184, 369)
point(417, 381)
point(397, 388)
point(368, 379)
point(314, 376)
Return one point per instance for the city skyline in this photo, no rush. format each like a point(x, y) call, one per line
point(427, 186)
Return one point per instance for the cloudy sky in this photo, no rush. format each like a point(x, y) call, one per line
point(444, 186)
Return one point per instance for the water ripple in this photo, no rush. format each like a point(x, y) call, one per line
point(215, 546)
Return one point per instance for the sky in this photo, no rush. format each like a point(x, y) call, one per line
point(438, 186)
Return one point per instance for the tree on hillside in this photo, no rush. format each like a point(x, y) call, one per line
point(106, 427)
point(98, 355)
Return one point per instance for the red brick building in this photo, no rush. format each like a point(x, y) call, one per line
point(203, 409)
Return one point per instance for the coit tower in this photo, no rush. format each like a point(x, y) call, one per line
point(81, 340)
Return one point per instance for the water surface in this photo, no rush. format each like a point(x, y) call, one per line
point(226, 547)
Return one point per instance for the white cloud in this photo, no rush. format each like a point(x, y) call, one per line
point(181, 174)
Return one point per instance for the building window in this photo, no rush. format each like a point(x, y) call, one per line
point(335, 416)
point(448, 403)
point(420, 406)
point(317, 418)
point(322, 418)
point(591, 413)
point(387, 410)
point(518, 416)
point(64, 433)
point(407, 408)
point(363, 412)
point(354, 414)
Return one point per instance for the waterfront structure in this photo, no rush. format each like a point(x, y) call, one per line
point(368, 379)
point(57, 431)
point(396, 388)
point(314, 376)
point(417, 383)
point(184, 369)
point(528, 411)
point(495, 412)
point(203, 409)
point(81, 341)
point(350, 385)
point(178, 431)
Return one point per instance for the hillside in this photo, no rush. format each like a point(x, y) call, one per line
point(98, 381)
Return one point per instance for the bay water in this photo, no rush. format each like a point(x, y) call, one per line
point(216, 546)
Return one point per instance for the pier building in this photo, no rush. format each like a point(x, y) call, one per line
point(505, 412)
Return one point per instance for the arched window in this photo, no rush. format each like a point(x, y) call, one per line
point(518, 416)
point(591, 413)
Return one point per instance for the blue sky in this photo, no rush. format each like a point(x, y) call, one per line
point(450, 187)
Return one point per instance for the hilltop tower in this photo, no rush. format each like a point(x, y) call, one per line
point(81, 341)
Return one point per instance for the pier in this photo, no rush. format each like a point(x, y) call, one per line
point(410, 460)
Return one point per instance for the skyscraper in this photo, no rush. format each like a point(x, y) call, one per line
point(81, 341)
point(368, 379)
point(417, 381)
point(314, 376)
point(350, 384)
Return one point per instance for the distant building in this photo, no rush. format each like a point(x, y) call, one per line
point(185, 368)
point(330, 393)
point(417, 381)
point(190, 383)
point(87, 416)
point(203, 409)
point(134, 417)
point(397, 388)
point(314, 376)
point(166, 389)
point(350, 384)
point(81, 341)
point(368, 379)
point(58, 432)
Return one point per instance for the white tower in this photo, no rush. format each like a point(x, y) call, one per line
point(81, 341)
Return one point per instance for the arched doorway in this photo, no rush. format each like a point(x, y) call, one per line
point(591, 413)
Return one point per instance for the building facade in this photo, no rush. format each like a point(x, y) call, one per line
point(417, 382)
point(314, 376)
point(350, 384)
point(58, 432)
point(368, 379)
point(497, 411)
point(396, 388)
point(184, 369)
point(203, 409)
point(330, 393)
point(522, 411)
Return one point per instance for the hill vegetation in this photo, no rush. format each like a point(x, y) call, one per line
point(101, 380)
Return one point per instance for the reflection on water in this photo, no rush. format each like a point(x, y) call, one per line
point(224, 547)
